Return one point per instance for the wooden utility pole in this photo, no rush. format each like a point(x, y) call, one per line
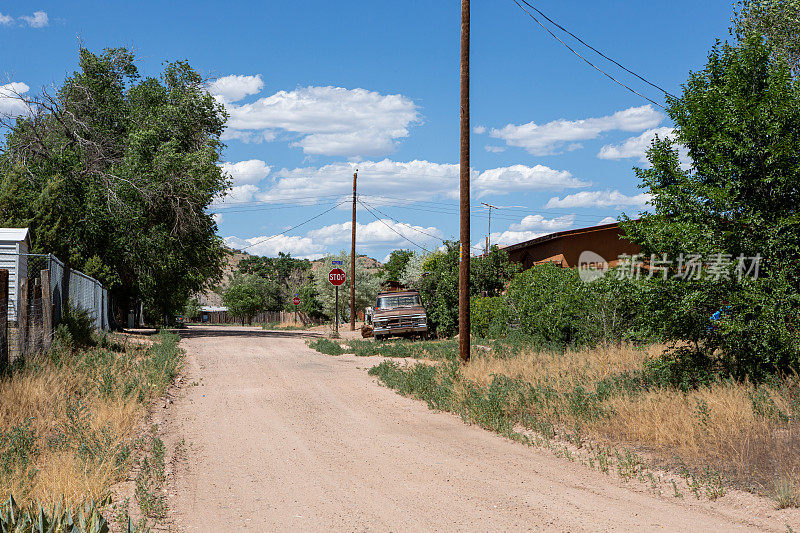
point(353, 260)
point(463, 271)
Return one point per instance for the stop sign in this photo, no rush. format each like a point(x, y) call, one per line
point(337, 276)
point(296, 300)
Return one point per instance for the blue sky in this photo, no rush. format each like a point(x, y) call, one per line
point(319, 88)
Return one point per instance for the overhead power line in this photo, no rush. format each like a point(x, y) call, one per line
point(592, 48)
point(391, 228)
point(598, 69)
point(294, 227)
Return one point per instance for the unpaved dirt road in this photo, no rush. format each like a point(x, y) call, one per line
point(282, 438)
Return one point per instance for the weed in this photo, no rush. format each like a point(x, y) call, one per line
point(150, 480)
point(675, 492)
point(786, 492)
point(326, 346)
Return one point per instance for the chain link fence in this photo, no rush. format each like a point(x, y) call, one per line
point(37, 302)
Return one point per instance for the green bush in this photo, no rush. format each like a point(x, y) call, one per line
point(326, 346)
point(489, 316)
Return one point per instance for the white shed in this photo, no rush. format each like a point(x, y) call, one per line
point(14, 247)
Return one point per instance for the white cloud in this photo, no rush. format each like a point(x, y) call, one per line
point(519, 178)
point(239, 194)
point(479, 130)
point(6, 20)
point(246, 172)
point(376, 233)
point(329, 120)
point(217, 217)
point(233, 88)
point(550, 138)
point(538, 222)
point(300, 247)
point(602, 199)
point(407, 182)
point(494, 149)
point(39, 19)
point(607, 220)
point(636, 147)
point(9, 104)
point(316, 243)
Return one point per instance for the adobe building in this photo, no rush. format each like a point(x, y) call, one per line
point(564, 247)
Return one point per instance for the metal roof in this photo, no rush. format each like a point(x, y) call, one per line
point(213, 309)
point(13, 234)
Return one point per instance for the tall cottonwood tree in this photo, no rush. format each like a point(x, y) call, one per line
point(114, 172)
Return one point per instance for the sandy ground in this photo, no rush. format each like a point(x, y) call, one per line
point(281, 438)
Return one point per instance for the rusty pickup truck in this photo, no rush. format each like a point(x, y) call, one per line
point(399, 313)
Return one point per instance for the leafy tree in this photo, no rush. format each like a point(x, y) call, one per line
point(288, 273)
point(777, 20)
point(738, 118)
point(393, 269)
point(113, 174)
point(192, 309)
point(439, 285)
point(247, 295)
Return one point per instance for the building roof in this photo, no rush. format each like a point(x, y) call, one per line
point(558, 234)
point(13, 234)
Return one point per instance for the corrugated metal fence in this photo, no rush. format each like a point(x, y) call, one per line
point(41, 301)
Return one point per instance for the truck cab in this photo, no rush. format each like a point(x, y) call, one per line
point(399, 313)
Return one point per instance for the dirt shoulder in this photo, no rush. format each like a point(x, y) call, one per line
point(280, 437)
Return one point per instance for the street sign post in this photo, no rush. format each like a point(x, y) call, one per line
point(337, 277)
point(296, 302)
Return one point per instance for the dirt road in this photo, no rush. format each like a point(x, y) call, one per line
point(280, 437)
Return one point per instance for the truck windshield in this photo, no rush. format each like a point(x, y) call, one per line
point(390, 302)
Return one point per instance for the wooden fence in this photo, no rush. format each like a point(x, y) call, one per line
point(33, 330)
point(264, 317)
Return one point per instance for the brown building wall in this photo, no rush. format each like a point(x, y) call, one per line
point(565, 247)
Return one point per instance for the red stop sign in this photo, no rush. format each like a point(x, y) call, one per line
point(337, 276)
point(296, 300)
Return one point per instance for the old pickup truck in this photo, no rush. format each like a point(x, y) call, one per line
point(399, 313)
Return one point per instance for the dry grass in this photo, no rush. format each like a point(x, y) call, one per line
point(67, 426)
point(748, 433)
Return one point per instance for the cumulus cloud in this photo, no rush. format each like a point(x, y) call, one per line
point(601, 199)
point(238, 194)
point(410, 181)
point(494, 149)
point(518, 178)
point(270, 245)
point(540, 223)
point(330, 121)
point(550, 138)
point(607, 220)
point(217, 217)
point(10, 106)
point(246, 172)
point(6, 20)
point(234, 88)
point(636, 147)
point(382, 232)
point(39, 19)
point(318, 242)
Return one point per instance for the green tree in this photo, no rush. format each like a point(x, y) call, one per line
point(393, 268)
point(439, 284)
point(288, 273)
point(738, 118)
point(113, 173)
point(777, 20)
point(247, 295)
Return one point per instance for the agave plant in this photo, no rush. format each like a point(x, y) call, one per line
point(37, 519)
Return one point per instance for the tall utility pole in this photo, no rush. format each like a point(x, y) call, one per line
point(489, 233)
point(353, 260)
point(463, 271)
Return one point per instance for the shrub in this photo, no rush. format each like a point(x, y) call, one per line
point(489, 316)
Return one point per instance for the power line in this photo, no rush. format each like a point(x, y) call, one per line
point(402, 223)
point(391, 228)
point(598, 69)
point(293, 227)
point(587, 45)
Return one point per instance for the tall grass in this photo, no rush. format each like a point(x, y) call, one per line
point(68, 418)
point(618, 397)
